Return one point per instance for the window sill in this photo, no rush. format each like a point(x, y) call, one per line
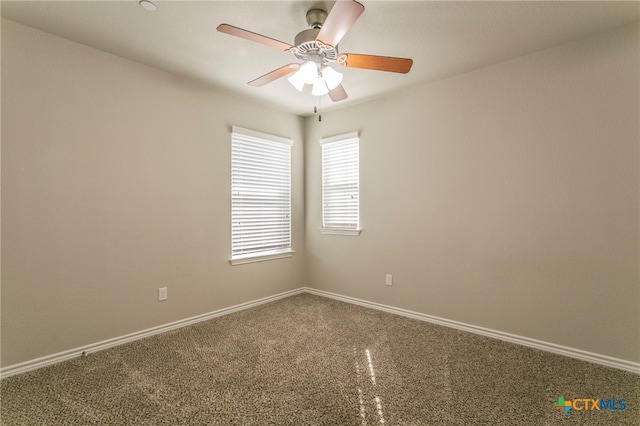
point(340, 231)
point(252, 258)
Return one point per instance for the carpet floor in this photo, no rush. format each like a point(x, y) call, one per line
point(309, 360)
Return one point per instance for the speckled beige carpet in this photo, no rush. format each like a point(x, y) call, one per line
point(308, 360)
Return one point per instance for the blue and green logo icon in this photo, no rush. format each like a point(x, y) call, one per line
point(588, 404)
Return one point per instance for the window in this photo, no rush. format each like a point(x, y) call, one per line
point(340, 184)
point(260, 196)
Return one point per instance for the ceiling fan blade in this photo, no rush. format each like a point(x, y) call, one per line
point(338, 94)
point(379, 63)
point(274, 75)
point(258, 38)
point(341, 17)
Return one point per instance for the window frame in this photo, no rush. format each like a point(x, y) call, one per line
point(329, 146)
point(258, 146)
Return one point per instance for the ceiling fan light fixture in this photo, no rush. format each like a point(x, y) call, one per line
point(319, 87)
point(332, 77)
point(308, 72)
point(297, 81)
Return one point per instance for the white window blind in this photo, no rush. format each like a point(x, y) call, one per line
point(340, 182)
point(260, 195)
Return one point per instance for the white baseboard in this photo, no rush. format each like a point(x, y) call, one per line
point(605, 360)
point(34, 364)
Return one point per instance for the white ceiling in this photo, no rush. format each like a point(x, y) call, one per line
point(443, 38)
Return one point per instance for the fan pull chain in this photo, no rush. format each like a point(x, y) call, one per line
point(316, 110)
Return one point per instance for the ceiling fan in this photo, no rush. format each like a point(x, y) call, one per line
point(317, 47)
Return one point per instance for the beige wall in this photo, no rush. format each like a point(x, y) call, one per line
point(504, 198)
point(115, 182)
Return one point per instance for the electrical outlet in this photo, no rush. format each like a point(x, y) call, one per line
point(389, 279)
point(162, 293)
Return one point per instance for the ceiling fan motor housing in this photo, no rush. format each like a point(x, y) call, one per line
point(306, 37)
point(306, 45)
